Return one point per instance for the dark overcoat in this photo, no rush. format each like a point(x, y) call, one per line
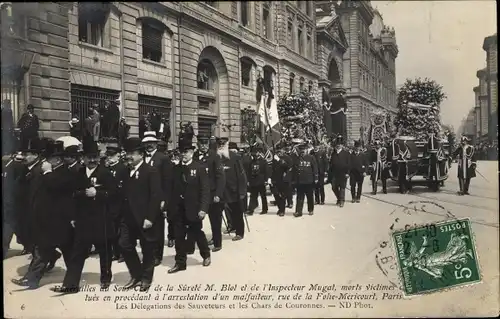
point(94, 223)
point(190, 182)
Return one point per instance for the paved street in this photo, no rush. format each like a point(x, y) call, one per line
point(335, 246)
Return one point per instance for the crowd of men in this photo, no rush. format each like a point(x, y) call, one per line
point(76, 199)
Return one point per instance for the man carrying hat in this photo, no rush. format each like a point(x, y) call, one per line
point(162, 164)
point(93, 223)
point(54, 211)
point(339, 170)
point(466, 164)
point(188, 205)
point(119, 172)
point(305, 172)
point(141, 219)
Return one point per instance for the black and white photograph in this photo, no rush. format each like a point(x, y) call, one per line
point(250, 159)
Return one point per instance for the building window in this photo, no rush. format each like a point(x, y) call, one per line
point(266, 21)
point(244, 13)
point(292, 83)
point(246, 72)
point(291, 43)
point(152, 40)
point(92, 18)
point(299, 38)
point(310, 86)
point(309, 50)
point(152, 104)
point(206, 76)
point(302, 84)
point(13, 20)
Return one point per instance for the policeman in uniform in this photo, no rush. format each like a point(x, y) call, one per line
point(281, 169)
point(378, 159)
point(339, 170)
point(189, 204)
point(162, 164)
point(217, 179)
point(319, 190)
point(119, 172)
point(466, 164)
point(258, 174)
point(358, 166)
point(305, 172)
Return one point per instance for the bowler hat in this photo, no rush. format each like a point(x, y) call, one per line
point(112, 150)
point(133, 144)
point(184, 146)
point(339, 140)
point(72, 151)
point(203, 138)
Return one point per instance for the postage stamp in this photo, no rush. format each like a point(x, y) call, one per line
point(436, 256)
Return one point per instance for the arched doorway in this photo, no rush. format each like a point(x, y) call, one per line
point(212, 93)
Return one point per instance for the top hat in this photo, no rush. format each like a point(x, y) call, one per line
point(149, 136)
point(184, 146)
point(72, 151)
point(357, 143)
point(33, 146)
point(133, 144)
point(203, 138)
point(90, 148)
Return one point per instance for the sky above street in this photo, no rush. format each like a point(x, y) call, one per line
point(442, 40)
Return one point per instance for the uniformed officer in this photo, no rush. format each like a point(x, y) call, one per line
point(289, 154)
point(258, 174)
point(116, 201)
point(339, 170)
point(189, 204)
point(93, 223)
point(162, 164)
point(466, 165)
point(319, 190)
point(305, 173)
point(358, 167)
point(378, 160)
point(281, 168)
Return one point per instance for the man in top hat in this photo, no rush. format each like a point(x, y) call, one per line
point(93, 223)
point(339, 170)
point(358, 167)
point(322, 161)
point(235, 189)
point(466, 164)
point(305, 174)
point(378, 159)
point(189, 205)
point(163, 165)
point(141, 218)
point(29, 125)
point(119, 172)
point(258, 174)
point(28, 182)
point(54, 211)
point(211, 161)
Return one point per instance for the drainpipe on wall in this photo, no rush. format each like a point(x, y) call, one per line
point(122, 68)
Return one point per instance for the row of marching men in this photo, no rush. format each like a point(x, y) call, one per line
point(62, 203)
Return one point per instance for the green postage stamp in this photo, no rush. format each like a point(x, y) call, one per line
point(436, 256)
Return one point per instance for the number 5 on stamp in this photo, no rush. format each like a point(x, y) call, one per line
point(436, 257)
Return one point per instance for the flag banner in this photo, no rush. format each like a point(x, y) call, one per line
point(272, 112)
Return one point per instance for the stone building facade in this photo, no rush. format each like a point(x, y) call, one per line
point(486, 95)
point(192, 61)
